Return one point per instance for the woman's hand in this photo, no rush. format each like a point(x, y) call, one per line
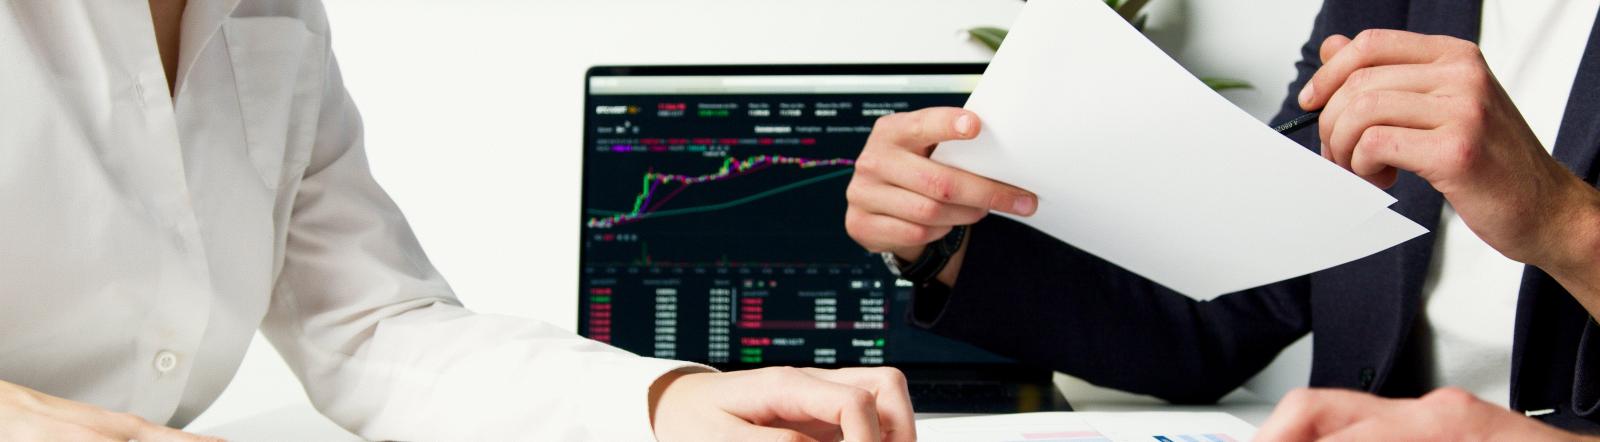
point(27, 415)
point(784, 404)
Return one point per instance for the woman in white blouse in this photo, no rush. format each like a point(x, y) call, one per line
point(174, 176)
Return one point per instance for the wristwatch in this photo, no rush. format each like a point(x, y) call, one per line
point(926, 268)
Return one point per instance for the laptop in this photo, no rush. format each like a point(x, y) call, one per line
point(713, 227)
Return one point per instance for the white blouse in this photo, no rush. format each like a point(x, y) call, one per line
point(144, 239)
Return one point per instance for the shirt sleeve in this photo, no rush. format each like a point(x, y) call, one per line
point(384, 348)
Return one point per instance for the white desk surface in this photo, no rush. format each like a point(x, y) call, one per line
point(302, 423)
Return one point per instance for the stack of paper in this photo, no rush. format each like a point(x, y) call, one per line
point(1138, 162)
point(1088, 427)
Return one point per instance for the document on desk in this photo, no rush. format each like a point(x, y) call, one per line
point(1138, 162)
point(1088, 427)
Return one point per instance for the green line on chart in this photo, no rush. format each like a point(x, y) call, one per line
point(737, 202)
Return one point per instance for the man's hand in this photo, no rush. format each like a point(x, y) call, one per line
point(784, 404)
point(1429, 105)
point(1445, 414)
point(27, 415)
point(900, 200)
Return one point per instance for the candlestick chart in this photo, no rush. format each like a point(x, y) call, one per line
point(660, 188)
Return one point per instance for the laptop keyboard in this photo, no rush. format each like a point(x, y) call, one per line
point(958, 391)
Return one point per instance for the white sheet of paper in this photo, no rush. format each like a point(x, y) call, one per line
point(1088, 427)
point(1138, 162)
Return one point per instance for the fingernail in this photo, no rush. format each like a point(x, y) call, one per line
point(1024, 205)
point(1306, 93)
point(964, 125)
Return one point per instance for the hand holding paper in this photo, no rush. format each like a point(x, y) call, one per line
point(900, 200)
point(1209, 202)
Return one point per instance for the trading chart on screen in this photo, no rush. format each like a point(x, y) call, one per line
point(713, 220)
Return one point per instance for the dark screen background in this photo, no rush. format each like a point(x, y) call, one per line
point(748, 265)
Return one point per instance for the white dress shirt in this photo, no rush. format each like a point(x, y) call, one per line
point(1533, 47)
point(144, 239)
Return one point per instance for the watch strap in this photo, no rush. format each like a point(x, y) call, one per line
point(934, 258)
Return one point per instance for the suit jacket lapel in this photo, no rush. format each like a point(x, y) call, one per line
point(1417, 198)
point(1579, 138)
point(1419, 201)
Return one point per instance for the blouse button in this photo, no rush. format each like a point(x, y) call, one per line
point(166, 361)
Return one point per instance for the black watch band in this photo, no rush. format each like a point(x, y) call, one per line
point(934, 258)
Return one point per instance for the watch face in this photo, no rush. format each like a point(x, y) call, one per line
point(890, 261)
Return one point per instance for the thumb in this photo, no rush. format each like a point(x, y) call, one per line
point(1330, 47)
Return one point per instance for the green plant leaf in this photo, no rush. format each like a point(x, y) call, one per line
point(989, 36)
point(1129, 10)
point(1222, 84)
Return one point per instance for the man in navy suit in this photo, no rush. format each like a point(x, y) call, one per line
point(1482, 119)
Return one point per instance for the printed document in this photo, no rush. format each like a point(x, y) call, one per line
point(1138, 162)
point(1088, 427)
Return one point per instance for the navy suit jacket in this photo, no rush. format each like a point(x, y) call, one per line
point(1026, 295)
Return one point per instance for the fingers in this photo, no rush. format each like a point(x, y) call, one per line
point(1375, 155)
point(784, 396)
point(745, 431)
point(805, 403)
point(1407, 423)
point(900, 200)
point(1412, 419)
point(1332, 45)
point(1402, 78)
point(1443, 414)
point(853, 409)
point(1375, 47)
point(1335, 415)
point(880, 233)
point(888, 386)
point(1436, 156)
point(921, 130)
point(70, 420)
point(112, 425)
point(1307, 414)
point(1380, 108)
point(158, 433)
point(884, 199)
point(897, 151)
point(57, 430)
point(946, 184)
point(123, 426)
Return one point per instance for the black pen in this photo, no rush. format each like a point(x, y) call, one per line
point(1300, 122)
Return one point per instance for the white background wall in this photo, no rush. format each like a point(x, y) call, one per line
point(473, 114)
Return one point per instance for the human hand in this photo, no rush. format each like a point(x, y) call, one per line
point(28, 415)
point(900, 200)
point(1430, 105)
point(784, 404)
point(1444, 414)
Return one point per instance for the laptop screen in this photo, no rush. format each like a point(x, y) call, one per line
point(713, 215)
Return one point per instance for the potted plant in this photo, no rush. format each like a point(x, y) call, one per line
point(1130, 10)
